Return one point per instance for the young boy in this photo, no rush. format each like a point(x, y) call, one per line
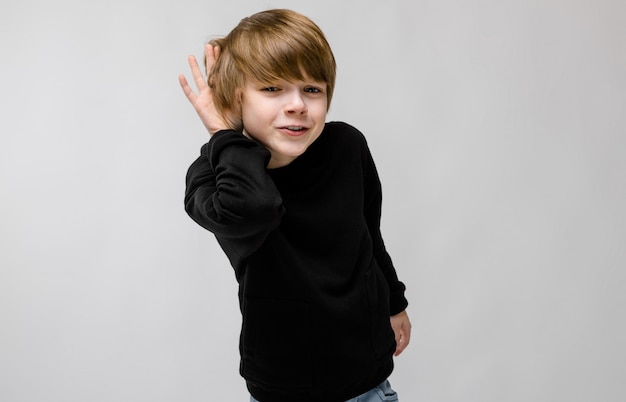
point(295, 204)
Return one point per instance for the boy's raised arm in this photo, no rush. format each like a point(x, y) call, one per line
point(229, 193)
point(228, 189)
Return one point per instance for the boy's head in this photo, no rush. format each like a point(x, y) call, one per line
point(270, 46)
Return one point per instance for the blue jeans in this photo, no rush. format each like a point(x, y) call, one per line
point(381, 393)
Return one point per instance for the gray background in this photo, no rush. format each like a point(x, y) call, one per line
point(499, 132)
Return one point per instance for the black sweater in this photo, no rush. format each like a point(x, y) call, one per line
point(316, 284)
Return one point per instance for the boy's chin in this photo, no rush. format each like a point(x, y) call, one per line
point(283, 157)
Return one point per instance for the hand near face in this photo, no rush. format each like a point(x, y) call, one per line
point(202, 102)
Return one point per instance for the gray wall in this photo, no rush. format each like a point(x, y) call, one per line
point(499, 132)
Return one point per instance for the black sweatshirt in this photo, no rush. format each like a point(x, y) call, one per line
point(316, 284)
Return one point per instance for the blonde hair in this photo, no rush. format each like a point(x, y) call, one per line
point(270, 46)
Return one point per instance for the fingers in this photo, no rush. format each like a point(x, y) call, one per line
point(399, 343)
point(402, 340)
point(202, 99)
point(196, 73)
point(402, 330)
point(211, 53)
point(182, 80)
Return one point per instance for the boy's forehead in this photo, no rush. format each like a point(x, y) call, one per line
point(305, 78)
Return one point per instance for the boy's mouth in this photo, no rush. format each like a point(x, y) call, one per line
point(294, 130)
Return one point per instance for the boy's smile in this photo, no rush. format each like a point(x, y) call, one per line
point(286, 117)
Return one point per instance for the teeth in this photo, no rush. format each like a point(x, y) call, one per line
point(294, 128)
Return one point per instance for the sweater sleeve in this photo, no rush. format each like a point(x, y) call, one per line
point(372, 210)
point(230, 193)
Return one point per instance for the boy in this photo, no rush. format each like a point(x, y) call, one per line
point(295, 204)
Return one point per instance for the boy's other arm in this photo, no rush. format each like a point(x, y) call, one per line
point(372, 211)
point(400, 322)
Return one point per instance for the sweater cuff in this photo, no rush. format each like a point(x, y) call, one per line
point(227, 138)
point(397, 301)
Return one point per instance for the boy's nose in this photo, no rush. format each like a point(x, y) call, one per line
point(296, 104)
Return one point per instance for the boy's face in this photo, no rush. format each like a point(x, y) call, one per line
point(286, 117)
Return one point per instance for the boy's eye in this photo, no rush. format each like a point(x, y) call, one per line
point(270, 89)
point(312, 90)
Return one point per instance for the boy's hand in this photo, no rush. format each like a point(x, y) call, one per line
point(402, 329)
point(203, 101)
